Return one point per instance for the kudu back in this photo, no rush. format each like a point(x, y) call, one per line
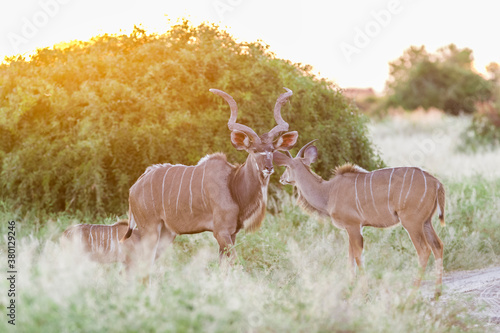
point(213, 195)
point(102, 242)
point(355, 198)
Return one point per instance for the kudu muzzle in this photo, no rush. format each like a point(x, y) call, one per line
point(268, 164)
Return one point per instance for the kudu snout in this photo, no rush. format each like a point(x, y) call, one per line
point(268, 166)
point(285, 179)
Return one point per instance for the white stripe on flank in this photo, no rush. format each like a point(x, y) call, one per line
point(171, 185)
point(101, 243)
point(110, 238)
point(107, 241)
point(409, 188)
point(163, 192)
point(98, 236)
point(389, 192)
point(425, 182)
point(191, 190)
point(180, 187)
point(152, 196)
point(358, 203)
point(202, 182)
point(371, 191)
point(402, 187)
point(112, 242)
point(118, 242)
point(103, 237)
point(356, 192)
point(144, 198)
point(91, 239)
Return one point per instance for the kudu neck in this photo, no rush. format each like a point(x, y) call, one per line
point(250, 172)
point(247, 182)
point(313, 189)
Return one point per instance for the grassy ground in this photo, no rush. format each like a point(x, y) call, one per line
point(291, 275)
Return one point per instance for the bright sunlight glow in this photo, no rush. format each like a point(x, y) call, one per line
point(349, 43)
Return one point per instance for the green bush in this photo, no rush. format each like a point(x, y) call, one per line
point(444, 80)
point(80, 123)
point(484, 131)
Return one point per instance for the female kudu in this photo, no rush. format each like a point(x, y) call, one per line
point(102, 242)
point(355, 198)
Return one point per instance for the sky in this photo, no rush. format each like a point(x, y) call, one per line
point(347, 42)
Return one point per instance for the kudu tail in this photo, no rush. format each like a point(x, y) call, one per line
point(131, 226)
point(440, 202)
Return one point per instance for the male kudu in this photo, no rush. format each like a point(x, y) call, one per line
point(214, 195)
point(354, 198)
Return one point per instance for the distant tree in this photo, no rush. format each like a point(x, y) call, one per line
point(493, 69)
point(81, 122)
point(443, 80)
point(485, 125)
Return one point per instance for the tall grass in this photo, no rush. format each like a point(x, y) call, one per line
point(433, 141)
point(290, 276)
point(472, 179)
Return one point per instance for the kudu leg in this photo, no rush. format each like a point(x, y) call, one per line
point(355, 249)
point(417, 236)
point(150, 240)
point(167, 237)
point(437, 249)
point(225, 231)
point(226, 246)
point(155, 240)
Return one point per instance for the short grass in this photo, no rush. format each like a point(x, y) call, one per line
point(291, 275)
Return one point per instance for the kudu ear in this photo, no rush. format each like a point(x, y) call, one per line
point(281, 159)
point(310, 155)
point(286, 141)
point(240, 140)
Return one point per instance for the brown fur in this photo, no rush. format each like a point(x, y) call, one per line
point(355, 198)
point(306, 207)
point(213, 195)
point(102, 242)
point(251, 203)
point(348, 168)
point(441, 202)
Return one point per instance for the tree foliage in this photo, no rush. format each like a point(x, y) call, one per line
point(484, 130)
point(444, 80)
point(80, 123)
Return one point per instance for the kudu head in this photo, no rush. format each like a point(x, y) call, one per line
point(260, 148)
point(305, 157)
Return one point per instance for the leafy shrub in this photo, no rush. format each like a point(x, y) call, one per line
point(444, 80)
point(485, 127)
point(484, 130)
point(80, 123)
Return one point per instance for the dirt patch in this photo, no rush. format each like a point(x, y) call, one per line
point(483, 285)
